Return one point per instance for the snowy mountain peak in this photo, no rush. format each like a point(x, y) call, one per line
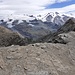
point(53, 13)
point(55, 17)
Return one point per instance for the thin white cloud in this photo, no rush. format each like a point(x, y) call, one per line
point(59, 1)
point(27, 6)
point(63, 9)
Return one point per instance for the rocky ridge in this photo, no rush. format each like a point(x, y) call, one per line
point(62, 34)
point(8, 38)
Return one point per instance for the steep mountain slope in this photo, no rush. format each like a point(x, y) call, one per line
point(68, 26)
point(7, 38)
point(57, 36)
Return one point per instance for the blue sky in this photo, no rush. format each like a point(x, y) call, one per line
point(61, 4)
point(36, 6)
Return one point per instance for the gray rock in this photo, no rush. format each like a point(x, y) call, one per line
point(43, 47)
point(37, 44)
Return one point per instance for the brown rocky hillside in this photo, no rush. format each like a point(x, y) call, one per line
point(7, 38)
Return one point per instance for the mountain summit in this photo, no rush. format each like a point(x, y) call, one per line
point(55, 17)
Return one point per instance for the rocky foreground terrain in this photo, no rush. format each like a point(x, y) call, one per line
point(38, 59)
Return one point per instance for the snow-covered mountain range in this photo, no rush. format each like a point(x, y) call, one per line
point(34, 26)
point(53, 17)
